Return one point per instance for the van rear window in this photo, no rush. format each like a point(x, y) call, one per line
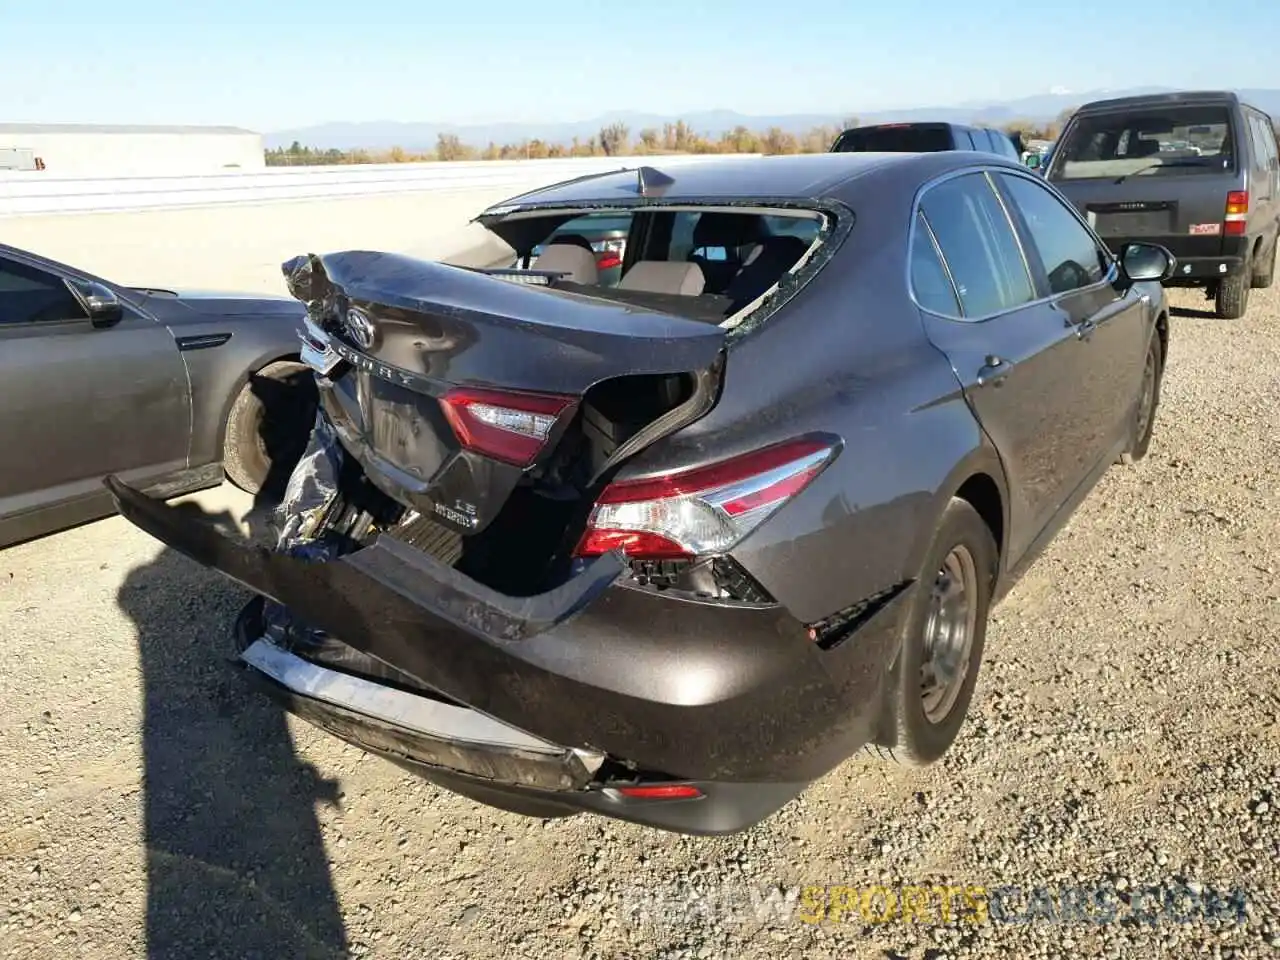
point(914, 138)
point(1155, 142)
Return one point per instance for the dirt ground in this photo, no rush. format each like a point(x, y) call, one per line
point(1124, 735)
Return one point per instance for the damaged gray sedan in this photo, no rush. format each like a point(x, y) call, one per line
point(672, 548)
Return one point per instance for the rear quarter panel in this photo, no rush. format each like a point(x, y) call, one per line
point(847, 355)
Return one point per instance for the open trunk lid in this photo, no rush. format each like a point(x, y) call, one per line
point(451, 386)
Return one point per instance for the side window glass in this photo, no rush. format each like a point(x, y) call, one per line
point(929, 280)
point(1070, 256)
point(1269, 136)
point(978, 244)
point(28, 295)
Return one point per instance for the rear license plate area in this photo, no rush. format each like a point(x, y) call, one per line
point(1133, 219)
point(401, 427)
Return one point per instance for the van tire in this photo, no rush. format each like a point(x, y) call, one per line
point(1233, 297)
point(1264, 275)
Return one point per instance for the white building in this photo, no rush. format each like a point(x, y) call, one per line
point(110, 150)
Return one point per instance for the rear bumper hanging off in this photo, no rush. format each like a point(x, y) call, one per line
point(534, 691)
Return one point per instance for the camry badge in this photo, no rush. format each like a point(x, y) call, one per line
point(359, 328)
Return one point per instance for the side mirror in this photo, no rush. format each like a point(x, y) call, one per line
point(1147, 261)
point(101, 303)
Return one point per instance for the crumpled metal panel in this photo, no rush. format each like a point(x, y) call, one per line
point(312, 487)
point(311, 490)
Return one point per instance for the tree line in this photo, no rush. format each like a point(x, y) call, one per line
point(617, 139)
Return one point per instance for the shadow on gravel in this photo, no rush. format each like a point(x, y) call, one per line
point(1206, 314)
point(236, 866)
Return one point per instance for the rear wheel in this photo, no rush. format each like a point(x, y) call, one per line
point(1233, 296)
point(938, 662)
point(1264, 271)
point(268, 427)
point(1144, 416)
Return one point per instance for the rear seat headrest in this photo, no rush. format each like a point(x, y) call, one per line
point(578, 262)
point(664, 276)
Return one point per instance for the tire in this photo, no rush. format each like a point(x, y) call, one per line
point(1264, 272)
point(1233, 297)
point(268, 427)
point(926, 724)
point(1144, 413)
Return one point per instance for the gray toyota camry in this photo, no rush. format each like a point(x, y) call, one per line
point(672, 548)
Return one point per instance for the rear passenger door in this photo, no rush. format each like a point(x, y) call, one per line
point(1080, 276)
point(1019, 363)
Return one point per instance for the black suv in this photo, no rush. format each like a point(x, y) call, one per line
point(926, 138)
point(1196, 172)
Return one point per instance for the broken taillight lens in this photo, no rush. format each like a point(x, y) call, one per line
point(702, 511)
point(507, 426)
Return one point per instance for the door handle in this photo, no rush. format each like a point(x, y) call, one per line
point(1085, 328)
point(994, 372)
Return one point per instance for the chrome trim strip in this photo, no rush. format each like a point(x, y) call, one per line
point(321, 361)
point(432, 718)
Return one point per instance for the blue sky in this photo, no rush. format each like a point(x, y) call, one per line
point(272, 64)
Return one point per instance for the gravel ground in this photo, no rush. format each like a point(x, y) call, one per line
point(1125, 737)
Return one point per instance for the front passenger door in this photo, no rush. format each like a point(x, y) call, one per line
point(80, 400)
point(1112, 322)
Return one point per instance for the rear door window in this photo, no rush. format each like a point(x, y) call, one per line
point(1070, 256)
point(929, 281)
point(979, 245)
point(1263, 143)
point(1169, 141)
point(894, 138)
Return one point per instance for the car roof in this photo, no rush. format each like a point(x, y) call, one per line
point(1180, 98)
point(798, 177)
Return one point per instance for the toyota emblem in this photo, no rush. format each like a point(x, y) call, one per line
point(359, 328)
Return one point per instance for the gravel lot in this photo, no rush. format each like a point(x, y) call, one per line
point(1125, 735)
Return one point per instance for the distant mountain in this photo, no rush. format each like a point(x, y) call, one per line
point(383, 135)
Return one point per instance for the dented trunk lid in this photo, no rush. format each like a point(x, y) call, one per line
point(429, 369)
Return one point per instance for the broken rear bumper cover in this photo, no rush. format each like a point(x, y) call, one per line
point(533, 691)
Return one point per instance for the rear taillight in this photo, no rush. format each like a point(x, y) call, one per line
point(702, 511)
point(507, 426)
point(1237, 213)
point(661, 791)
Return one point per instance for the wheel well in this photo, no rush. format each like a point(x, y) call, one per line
point(981, 493)
point(241, 383)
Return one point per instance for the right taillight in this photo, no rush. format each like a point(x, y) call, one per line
point(705, 510)
point(1237, 213)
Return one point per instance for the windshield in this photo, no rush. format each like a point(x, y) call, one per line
point(1172, 141)
point(913, 138)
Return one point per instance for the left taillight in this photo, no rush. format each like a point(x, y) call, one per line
point(705, 510)
point(504, 425)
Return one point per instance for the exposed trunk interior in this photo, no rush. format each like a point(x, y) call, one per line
point(527, 547)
